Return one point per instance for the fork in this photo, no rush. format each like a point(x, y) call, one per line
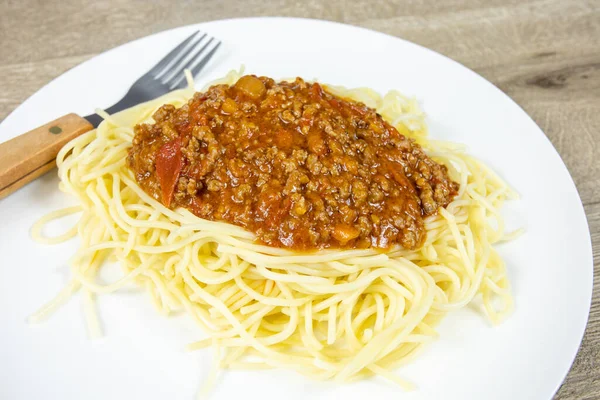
point(30, 155)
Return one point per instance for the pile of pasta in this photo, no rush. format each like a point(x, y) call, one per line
point(333, 314)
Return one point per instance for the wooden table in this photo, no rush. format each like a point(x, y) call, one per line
point(544, 54)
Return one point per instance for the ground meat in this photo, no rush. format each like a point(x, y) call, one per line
point(298, 166)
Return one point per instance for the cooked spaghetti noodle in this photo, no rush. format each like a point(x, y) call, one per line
point(333, 314)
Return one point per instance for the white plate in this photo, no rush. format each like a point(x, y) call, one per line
point(142, 355)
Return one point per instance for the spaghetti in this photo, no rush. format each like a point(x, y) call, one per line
point(333, 314)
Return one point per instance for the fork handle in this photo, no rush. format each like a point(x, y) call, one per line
point(31, 154)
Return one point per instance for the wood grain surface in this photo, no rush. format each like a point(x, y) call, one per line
point(544, 54)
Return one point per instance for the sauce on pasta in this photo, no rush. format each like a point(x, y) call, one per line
point(298, 166)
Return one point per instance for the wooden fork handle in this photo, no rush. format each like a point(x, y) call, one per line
point(31, 154)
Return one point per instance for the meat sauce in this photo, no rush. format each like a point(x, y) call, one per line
point(298, 166)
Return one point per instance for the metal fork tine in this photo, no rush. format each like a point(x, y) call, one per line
point(174, 55)
point(198, 67)
point(166, 59)
point(173, 65)
point(176, 74)
point(180, 83)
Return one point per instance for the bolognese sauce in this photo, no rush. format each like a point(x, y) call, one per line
point(298, 166)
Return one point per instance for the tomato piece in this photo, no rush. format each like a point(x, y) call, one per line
point(284, 139)
point(316, 143)
point(316, 91)
point(168, 167)
point(360, 109)
point(343, 233)
point(397, 174)
point(251, 86)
